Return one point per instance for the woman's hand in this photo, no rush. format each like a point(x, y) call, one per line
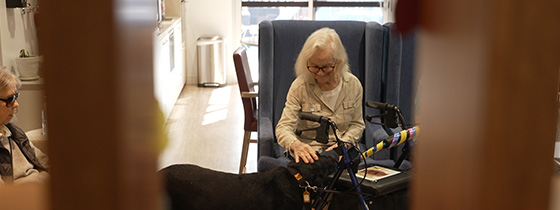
point(334, 146)
point(304, 152)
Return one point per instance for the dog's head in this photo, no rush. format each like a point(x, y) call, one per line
point(315, 173)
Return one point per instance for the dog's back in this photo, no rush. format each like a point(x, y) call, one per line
point(196, 188)
point(192, 187)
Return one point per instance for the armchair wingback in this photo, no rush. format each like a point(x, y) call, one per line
point(374, 82)
point(279, 45)
point(400, 89)
point(398, 82)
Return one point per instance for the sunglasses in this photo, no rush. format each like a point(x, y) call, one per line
point(10, 100)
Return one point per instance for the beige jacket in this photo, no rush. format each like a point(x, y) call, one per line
point(306, 96)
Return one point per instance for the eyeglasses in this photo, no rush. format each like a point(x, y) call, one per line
point(325, 69)
point(10, 100)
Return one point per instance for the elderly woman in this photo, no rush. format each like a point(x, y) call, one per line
point(324, 86)
point(20, 161)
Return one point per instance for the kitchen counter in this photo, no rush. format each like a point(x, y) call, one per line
point(169, 71)
point(166, 24)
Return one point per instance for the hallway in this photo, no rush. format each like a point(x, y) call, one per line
point(206, 129)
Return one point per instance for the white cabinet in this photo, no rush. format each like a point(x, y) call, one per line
point(169, 71)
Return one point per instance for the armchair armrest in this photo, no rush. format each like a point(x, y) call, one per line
point(266, 138)
point(249, 94)
point(38, 140)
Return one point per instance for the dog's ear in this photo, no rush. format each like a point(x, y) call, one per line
point(319, 170)
point(323, 168)
point(326, 163)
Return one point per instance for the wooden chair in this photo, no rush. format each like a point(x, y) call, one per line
point(248, 96)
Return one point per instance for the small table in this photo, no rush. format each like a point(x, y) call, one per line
point(386, 193)
point(380, 187)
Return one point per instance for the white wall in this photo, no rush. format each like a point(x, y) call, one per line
point(17, 31)
point(172, 8)
point(209, 18)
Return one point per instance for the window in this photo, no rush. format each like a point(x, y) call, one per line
point(255, 11)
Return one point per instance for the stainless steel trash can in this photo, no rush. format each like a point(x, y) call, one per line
point(211, 61)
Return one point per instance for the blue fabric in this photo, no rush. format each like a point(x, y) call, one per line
point(267, 163)
point(265, 127)
point(400, 73)
point(373, 83)
point(399, 81)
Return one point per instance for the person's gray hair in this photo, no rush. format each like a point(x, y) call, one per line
point(8, 80)
point(321, 39)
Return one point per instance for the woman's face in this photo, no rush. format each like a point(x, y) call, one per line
point(323, 59)
point(7, 113)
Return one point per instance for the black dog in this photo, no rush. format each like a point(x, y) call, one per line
point(195, 188)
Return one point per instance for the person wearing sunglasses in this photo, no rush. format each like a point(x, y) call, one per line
point(325, 87)
point(20, 160)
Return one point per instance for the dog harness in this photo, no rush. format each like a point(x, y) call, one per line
point(303, 184)
point(298, 177)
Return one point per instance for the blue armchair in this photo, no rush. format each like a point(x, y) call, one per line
point(279, 45)
point(371, 48)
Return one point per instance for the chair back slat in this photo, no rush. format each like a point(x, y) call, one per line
point(246, 84)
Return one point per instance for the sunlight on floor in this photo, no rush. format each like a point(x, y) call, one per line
point(203, 121)
point(217, 109)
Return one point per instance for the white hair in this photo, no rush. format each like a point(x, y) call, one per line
point(322, 39)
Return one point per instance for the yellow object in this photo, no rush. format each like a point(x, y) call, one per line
point(160, 131)
point(403, 138)
point(306, 197)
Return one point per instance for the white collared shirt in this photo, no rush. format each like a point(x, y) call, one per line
point(4, 134)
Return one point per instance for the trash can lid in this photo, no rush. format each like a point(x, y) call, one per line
point(206, 40)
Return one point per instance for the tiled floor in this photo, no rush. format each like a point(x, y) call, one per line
point(206, 129)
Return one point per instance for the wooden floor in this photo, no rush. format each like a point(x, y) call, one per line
point(206, 129)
